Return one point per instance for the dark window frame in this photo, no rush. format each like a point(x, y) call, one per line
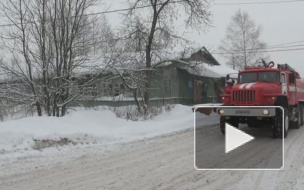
point(277, 76)
point(257, 76)
point(292, 78)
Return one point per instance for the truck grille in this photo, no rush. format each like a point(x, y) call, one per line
point(244, 96)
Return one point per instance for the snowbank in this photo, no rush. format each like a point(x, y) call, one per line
point(88, 127)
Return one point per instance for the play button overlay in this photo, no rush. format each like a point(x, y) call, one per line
point(235, 138)
point(241, 143)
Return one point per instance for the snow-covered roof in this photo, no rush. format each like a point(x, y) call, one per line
point(216, 71)
point(207, 70)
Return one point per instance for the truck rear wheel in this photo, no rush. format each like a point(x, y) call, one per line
point(279, 125)
point(297, 124)
point(301, 114)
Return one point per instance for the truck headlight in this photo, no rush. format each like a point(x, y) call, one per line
point(221, 112)
point(265, 112)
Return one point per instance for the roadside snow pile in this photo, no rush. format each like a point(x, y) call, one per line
point(89, 127)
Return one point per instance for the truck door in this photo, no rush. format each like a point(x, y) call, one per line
point(284, 85)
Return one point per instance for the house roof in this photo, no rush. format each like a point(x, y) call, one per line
point(202, 63)
point(216, 71)
point(136, 60)
point(203, 55)
point(207, 70)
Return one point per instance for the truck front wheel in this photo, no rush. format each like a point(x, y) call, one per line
point(232, 121)
point(279, 125)
point(222, 125)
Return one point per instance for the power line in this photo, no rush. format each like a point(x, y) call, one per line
point(244, 3)
point(146, 6)
point(268, 48)
point(276, 47)
point(271, 48)
point(255, 3)
point(265, 51)
point(285, 46)
point(286, 43)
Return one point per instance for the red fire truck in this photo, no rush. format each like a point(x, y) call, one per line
point(264, 86)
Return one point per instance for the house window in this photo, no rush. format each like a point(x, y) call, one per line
point(204, 90)
point(110, 90)
point(168, 87)
point(190, 84)
point(116, 89)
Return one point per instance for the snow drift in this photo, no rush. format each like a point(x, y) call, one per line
point(89, 127)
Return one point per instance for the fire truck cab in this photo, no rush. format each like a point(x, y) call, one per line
point(264, 86)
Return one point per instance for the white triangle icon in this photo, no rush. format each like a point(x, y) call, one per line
point(235, 138)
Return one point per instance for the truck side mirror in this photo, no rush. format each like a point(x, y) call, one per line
point(230, 82)
point(227, 77)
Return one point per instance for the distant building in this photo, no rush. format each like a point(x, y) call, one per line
point(194, 80)
point(181, 82)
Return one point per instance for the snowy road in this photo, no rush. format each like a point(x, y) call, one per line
point(164, 162)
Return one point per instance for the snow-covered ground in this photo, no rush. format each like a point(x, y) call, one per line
point(162, 162)
point(44, 135)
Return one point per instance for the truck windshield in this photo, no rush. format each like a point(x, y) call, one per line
point(265, 76)
point(248, 77)
point(269, 76)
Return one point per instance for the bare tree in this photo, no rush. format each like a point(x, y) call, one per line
point(149, 31)
point(242, 46)
point(50, 41)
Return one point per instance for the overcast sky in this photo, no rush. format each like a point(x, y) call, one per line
point(281, 23)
